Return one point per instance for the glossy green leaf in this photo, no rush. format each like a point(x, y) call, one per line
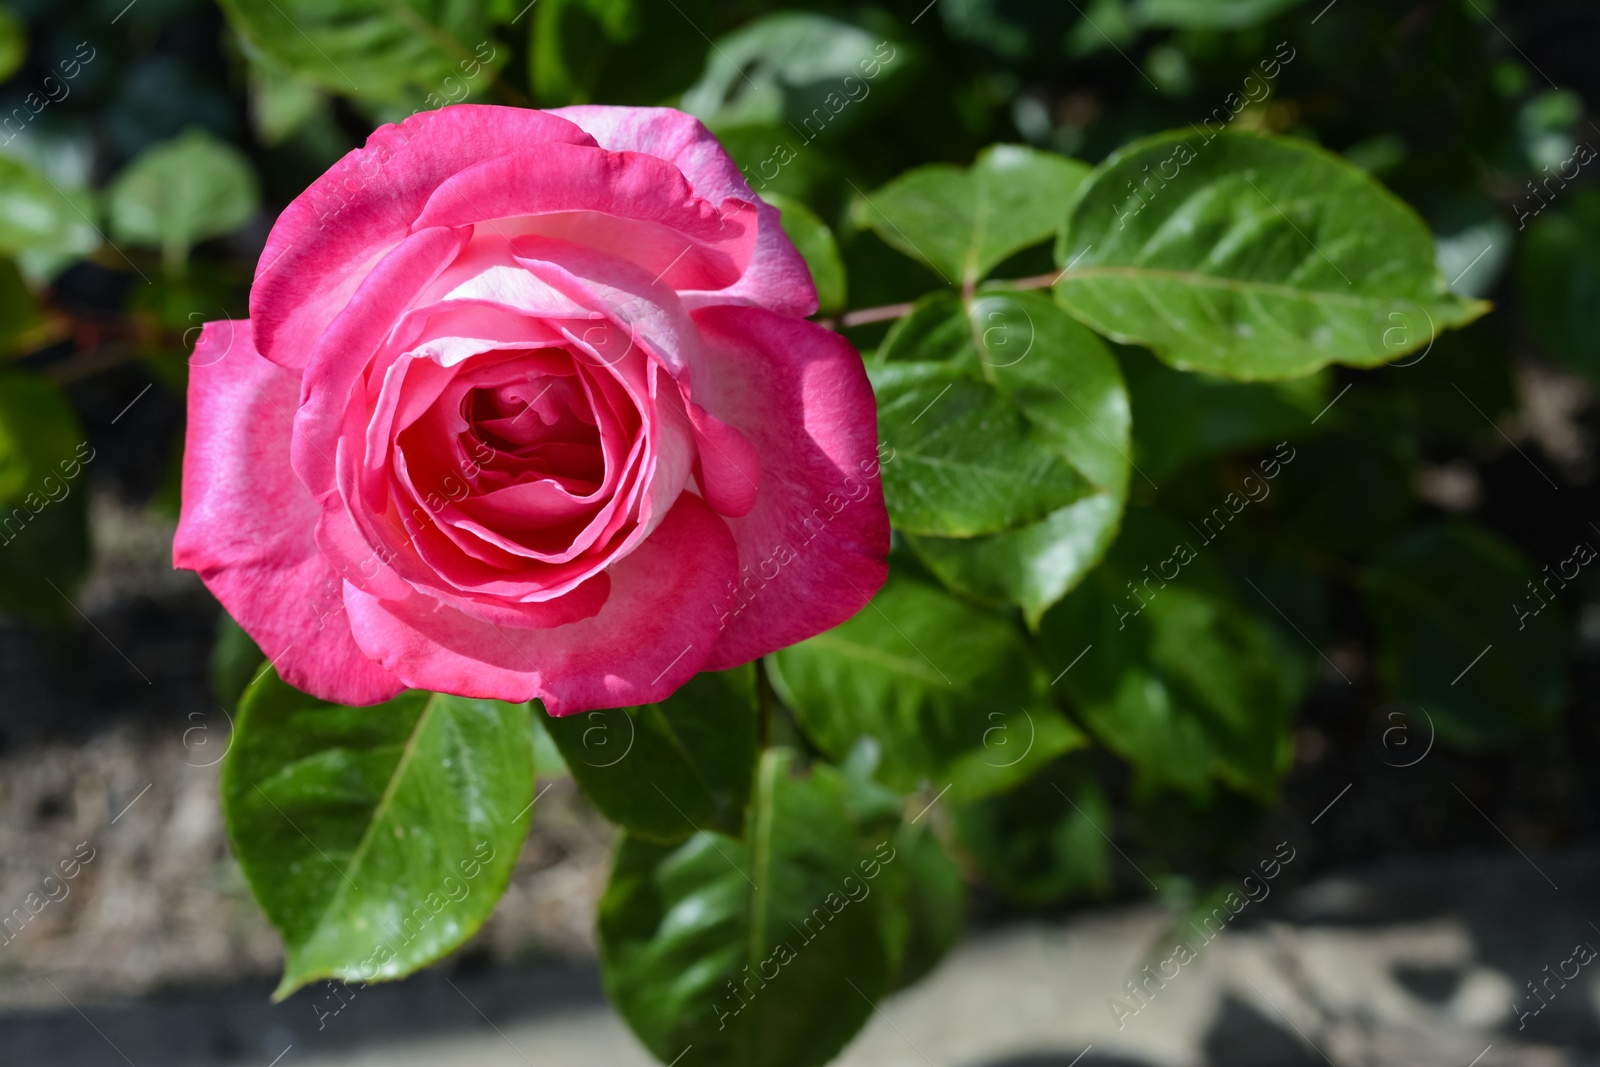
point(1043, 842)
point(1471, 633)
point(376, 839)
point(44, 225)
point(1251, 257)
point(792, 67)
point(424, 52)
point(816, 243)
point(1057, 376)
point(44, 528)
point(668, 770)
point(1209, 14)
point(1180, 417)
point(180, 193)
point(966, 461)
point(984, 440)
point(1171, 670)
point(1032, 567)
point(617, 51)
point(964, 222)
point(747, 949)
point(950, 694)
point(1560, 280)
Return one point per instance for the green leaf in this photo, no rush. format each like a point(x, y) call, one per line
point(816, 243)
point(966, 462)
point(1171, 671)
point(424, 52)
point(947, 692)
point(1470, 632)
point(1181, 417)
point(1058, 378)
point(44, 525)
point(667, 770)
point(617, 51)
point(1209, 14)
point(375, 839)
point(177, 194)
point(983, 440)
point(747, 950)
point(964, 222)
point(547, 758)
point(43, 225)
point(1032, 567)
point(1560, 281)
point(1251, 257)
point(936, 903)
point(1043, 843)
point(793, 67)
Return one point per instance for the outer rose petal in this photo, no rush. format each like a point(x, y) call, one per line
point(813, 549)
point(652, 636)
point(777, 277)
point(628, 203)
point(325, 241)
point(247, 522)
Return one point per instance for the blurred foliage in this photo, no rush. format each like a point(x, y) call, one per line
point(1142, 513)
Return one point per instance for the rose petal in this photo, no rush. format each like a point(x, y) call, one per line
point(727, 467)
point(634, 206)
point(813, 549)
point(247, 523)
point(652, 635)
point(777, 277)
point(329, 236)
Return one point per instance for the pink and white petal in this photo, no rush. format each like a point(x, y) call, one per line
point(813, 549)
point(247, 524)
point(328, 238)
point(346, 348)
point(652, 635)
point(630, 205)
point(777, 277)
point(627, 307)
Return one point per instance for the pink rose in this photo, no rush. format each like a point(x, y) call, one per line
point(526, 406)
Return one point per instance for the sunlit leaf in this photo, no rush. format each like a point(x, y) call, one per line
point(375, 839)
point(1251, 257)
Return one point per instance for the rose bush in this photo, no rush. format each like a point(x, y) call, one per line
point(526, 407)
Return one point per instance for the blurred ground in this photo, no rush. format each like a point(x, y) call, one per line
point(1415, 964)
